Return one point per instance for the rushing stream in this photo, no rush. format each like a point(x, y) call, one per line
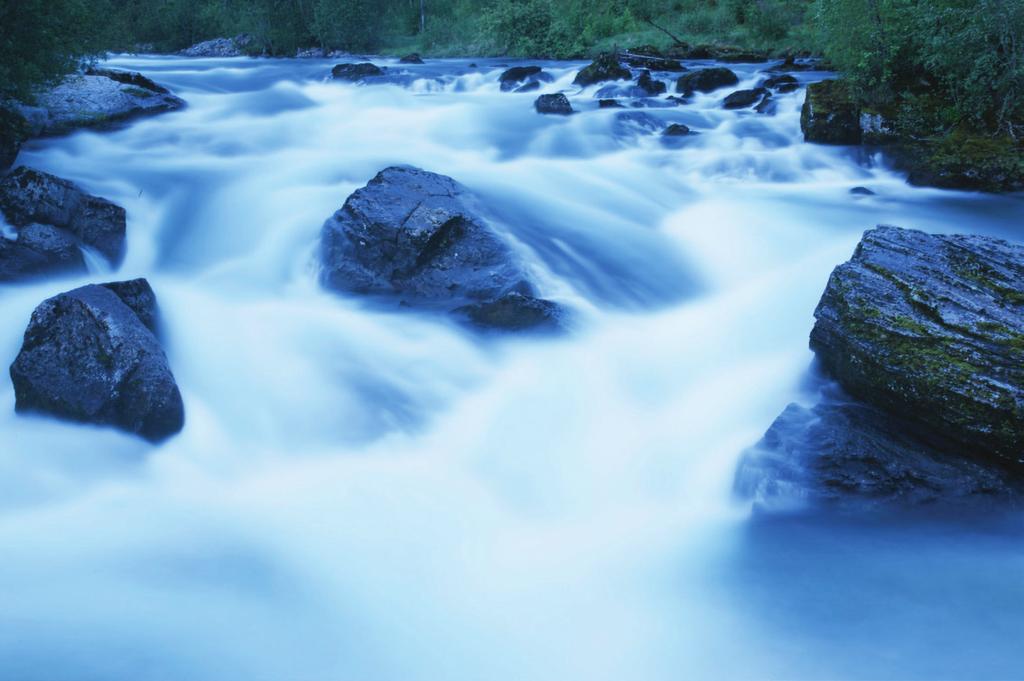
point(366, 494)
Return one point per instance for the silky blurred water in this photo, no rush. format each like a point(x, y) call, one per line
point(373, 494)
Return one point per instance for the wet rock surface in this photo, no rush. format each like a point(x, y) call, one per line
point(925, 335)
point(523, 79)
point(53, 219)
point(606, 67)
point(932, 328)
point(220, 47)
point(96, 101)
point(356, 73)
point(557, 104)
point(743, 99)
point(87, 356)
point(847, 455)
point(13, 131)
point(829, 115)
point(422, 237)
point(706, 80)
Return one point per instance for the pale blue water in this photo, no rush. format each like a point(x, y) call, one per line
point(373, 495)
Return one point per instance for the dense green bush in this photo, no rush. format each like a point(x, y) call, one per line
point(41, 40)
point(937, 63)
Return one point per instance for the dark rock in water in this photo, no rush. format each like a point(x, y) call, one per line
point(52, 218)
point(862, 191)
point(221, 47)
point(963, 160)
point(677, 130)
point(413, 58)
point(848, 456)
point(829, 115)
point(88, 357)
point(517, 75)
point(787, 88)
point(649, 85)
point(931, 329)
point(421, 236)
point(356, 73)
point(706, 80)
point(138, 295)
point(128, 78)
point(553, 104)
point(776, 82)
point(609, 104)
point(741, 99)
point(95, 101)
point(37, 250)
point(515, 312)
point(13, 131)
point(767, 105)
point(605, 67)
point(531, 86)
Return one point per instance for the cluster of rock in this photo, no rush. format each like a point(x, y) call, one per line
point(238, 46)
point(53, 220)
point(925, 336)
point(92, 354)
point(420, 238)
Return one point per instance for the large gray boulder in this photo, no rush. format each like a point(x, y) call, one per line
point(422, 237)
point(931, 328)
point(89, 356)
point(925, 334)
point(103, 99)
point(52, 220)
point(706, 80)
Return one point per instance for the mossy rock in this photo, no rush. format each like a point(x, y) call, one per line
point(964, 160)
point(830, 114)
point(931, 329)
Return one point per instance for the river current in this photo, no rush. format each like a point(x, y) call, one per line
point(368, 494)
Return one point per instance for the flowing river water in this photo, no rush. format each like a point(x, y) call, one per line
point(366, 494)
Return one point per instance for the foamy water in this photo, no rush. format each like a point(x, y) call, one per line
point(372, 495)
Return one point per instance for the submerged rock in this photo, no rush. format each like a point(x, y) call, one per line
point(846, 455)
point(649, 85)
point(931, 328)
point(356, 73)
point(91, 101)
point(523, 78)
point(677, 130)
point(706, 80)
point(53, 218)
point(421, 236)
point(553, 104)
point(609, 104)
point(829, 114)
point(515, 312)
point(605, 67)
point(413, 58)
point(87, 356)
point(779, 82)
point(742, 99)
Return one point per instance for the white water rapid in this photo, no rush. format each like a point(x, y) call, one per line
point(363, 494)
